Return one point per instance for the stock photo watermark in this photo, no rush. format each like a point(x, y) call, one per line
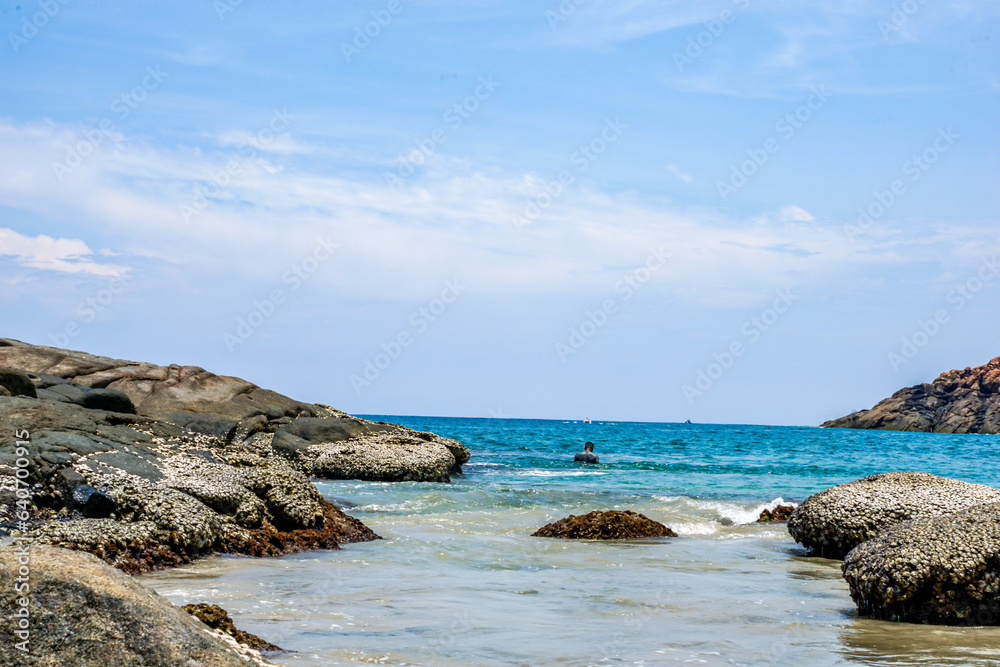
point(786, 127)
point(264, 309)
point(21, 617)
point(750, 333)
point(419, 322)
point(562, 12)
point(122, 106)
point(596, 319)
point(246, 152)
point(33, 25)
point(913, 169)
point(899, 17)
point(365, 34)
point(454, 117)
point(957, 298)
point(713, 29)
point(581, 158)
point(87, 310)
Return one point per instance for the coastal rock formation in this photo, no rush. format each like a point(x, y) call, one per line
point(779, 513)
point(612, 525)
point(143, 493)
point(834, 521)
point(940, 569)
point(959, 401)
point(81, 612)
point(148, 466)
point(217, 618)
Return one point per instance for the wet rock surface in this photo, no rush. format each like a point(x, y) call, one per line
point(611, 525)
point(83, 612)
point(217, 618)
point(939, 569)
point(959, 401)
point(779, 513)
point(834, 521)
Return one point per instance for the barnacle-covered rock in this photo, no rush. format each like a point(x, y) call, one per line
point(611, 525)
point(937, 569)
point(834, 521)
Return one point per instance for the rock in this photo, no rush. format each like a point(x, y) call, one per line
point(611, 525)
point(92, 503)
point(836, 520)
point(16, 383)
point(217, 618)
point(938, 569)
point(959, 401)
point(82, 612)
point(145, 494)
point(779, 513)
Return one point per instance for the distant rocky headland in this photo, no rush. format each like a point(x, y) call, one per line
point(149, 466)
point(959, 401)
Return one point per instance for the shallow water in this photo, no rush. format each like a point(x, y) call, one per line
point(459, 581)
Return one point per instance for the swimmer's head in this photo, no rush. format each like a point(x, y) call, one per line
point(589, 447)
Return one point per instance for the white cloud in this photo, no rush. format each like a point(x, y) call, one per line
point(453, 219)
point(47, 253)
point(794, 213)
point(675, 170)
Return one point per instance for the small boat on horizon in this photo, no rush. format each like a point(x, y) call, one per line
point(586, 420)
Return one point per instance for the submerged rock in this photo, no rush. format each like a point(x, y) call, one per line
point(836, 520)
point(779, 513)
point(611, 525)
point(82, 612)
point(217, 618)
point(938, 569)
point(959, 401)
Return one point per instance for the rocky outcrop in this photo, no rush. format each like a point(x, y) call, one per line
point(142, 493)
point(148, 466)
point(612, 525)
point(940, 569)
point(959, 401)
point(833, 522)
point(81, 612)
point(217, 618)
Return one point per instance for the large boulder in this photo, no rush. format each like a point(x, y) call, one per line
point(81, 612)
point(611, 525)
point(959, 401)
point(834, 521)
point(938, 569)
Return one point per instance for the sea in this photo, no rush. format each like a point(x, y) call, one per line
point(459, 581)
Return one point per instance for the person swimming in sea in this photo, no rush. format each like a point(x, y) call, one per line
point(587, 455)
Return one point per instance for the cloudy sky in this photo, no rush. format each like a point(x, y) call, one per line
point(735, 212)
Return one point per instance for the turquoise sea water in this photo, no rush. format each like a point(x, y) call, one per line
point(459, 581)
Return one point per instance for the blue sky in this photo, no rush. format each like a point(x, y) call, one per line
point(621, 210)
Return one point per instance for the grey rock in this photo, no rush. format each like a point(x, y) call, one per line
point(939, 569)
point(84, 613)
point(834, 521)
point(959, 401)
point(16, 383)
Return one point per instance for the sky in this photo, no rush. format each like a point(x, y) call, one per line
point(723, 211)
